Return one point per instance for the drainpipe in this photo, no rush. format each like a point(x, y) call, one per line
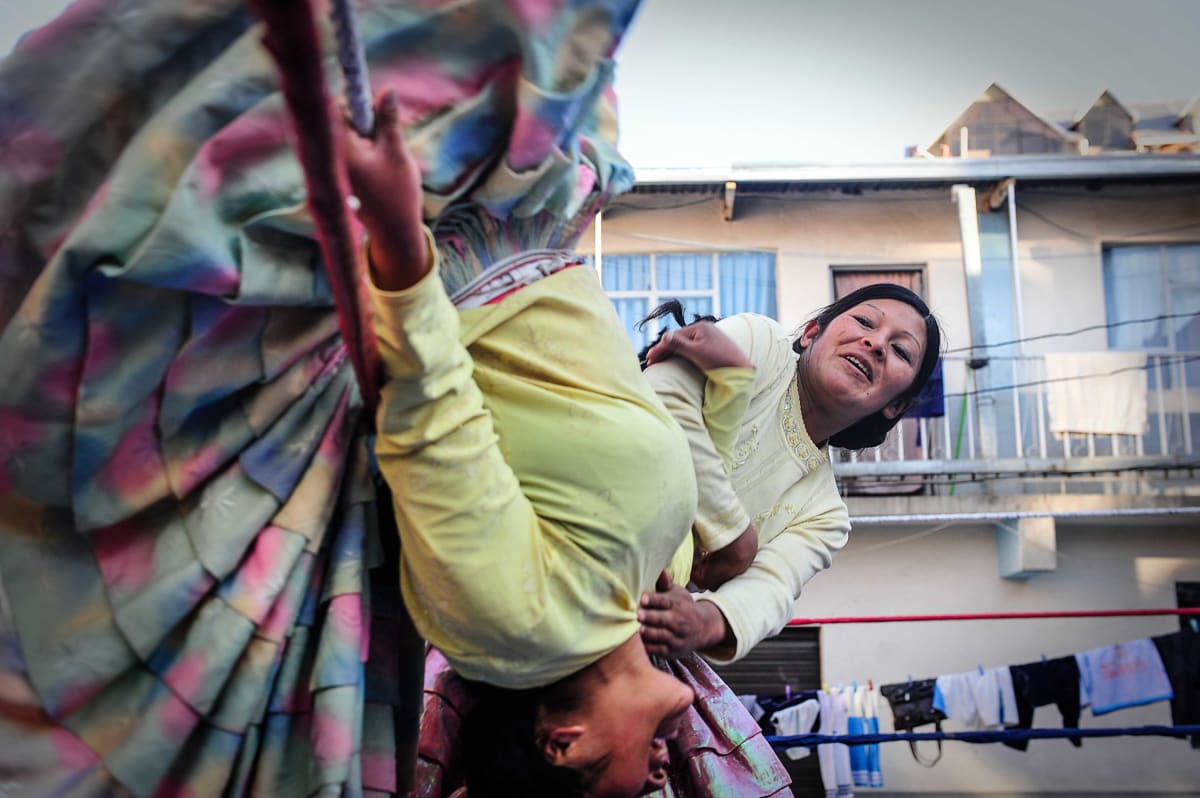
point(968, 226)
point(1019, 313)
point(1016, 265)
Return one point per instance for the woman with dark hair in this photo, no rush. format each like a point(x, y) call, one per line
point(770, 517)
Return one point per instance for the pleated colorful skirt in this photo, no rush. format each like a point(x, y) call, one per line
point(196, 596)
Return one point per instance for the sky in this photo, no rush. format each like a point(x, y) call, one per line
point(720, 82)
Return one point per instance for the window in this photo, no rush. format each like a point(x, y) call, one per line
point(1152, 296)
point(717, 283)
point(1187, 594)
point(1150, 282)
point(905, 441)
point(1161, 285)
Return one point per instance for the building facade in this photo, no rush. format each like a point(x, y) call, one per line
point(1063, 282)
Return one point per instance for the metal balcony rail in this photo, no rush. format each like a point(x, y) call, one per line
point(1019, 443)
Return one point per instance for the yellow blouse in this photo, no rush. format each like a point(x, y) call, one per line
point(540, 485)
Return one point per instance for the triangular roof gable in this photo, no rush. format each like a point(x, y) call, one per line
point(1106, 100)
point(1183, 119)
point(993, 93)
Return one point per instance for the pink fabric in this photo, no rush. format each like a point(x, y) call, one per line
point(720, 752)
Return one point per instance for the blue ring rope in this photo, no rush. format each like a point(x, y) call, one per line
point(994, 736)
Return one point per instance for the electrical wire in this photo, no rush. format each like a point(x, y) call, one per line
point(1033, 191)
point(1079, 331)
point(1024, 207)
point(1163, 360)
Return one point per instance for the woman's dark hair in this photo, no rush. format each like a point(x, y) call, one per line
point(501, 755)
point(872, 430)
point(674, 309)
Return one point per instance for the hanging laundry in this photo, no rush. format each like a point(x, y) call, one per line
point(871, 710)
point(834, 758)
point(930, 402)
point(796, 719)
point(978, 699)
point(1180, 653)
point(856, 723)
point(1037, 684)
point(1080, 401)
point(750, 702)
point(768, 705)
point(1125, 675)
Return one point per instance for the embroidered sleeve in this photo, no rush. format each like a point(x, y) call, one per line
point(760, 602)
point(695, 401)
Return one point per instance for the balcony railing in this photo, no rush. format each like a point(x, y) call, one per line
point(995, 432)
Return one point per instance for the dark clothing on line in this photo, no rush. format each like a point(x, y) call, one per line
point(1180, 654)
point(1036, 684)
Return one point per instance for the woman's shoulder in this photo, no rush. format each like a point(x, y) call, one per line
point(752, 331)
point(764, 341)
point(753, 324)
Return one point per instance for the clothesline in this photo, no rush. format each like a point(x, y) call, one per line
point(995, 616)
point(985, 736)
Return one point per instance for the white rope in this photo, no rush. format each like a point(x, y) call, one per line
point(937, 518)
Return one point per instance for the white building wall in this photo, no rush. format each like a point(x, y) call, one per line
point(888, 571)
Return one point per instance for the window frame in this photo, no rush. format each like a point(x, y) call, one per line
point(1164, 281)
point(655, 295)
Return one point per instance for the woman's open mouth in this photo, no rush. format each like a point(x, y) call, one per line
point(859, 365)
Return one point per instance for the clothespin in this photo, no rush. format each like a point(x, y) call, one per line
point(854, 686)
point(787, 692)
point(1043, 656)
point(980, 669)
point(870, 685)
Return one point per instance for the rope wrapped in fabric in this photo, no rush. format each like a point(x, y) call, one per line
point(356, 87)
point(291, 37)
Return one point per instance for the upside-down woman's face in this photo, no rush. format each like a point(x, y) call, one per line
point(621, 748)
point(864, 359)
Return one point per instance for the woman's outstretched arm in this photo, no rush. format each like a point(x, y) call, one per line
point(470, 537)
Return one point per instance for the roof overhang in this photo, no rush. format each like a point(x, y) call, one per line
point(926, 172)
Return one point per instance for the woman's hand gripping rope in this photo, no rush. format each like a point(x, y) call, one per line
point(386, 179)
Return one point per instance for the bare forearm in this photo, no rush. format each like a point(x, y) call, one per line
point(716, 628)
point(399, 258)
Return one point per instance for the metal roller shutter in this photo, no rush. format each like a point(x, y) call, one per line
point(793, 658)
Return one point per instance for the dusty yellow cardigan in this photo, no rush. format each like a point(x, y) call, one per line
point(766, 471)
